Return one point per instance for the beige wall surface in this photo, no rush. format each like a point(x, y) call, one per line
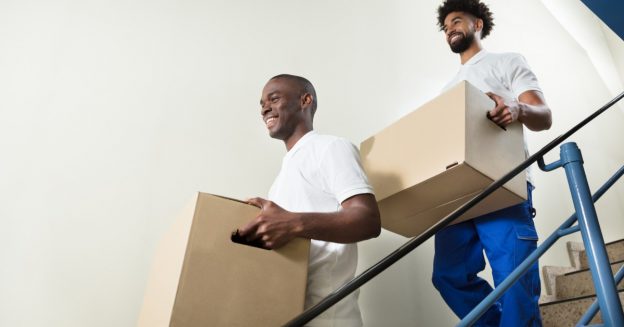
point(114, 113)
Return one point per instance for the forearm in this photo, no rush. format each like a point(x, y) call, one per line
point(535, 117)
point(357, 220)
point(348, 225)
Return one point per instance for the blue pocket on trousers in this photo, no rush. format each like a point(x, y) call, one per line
point(526, 233)
point(526, 242)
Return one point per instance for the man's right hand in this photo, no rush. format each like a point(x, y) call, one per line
point(503, 113)
point(273, 226)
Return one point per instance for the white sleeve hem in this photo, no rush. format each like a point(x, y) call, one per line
point(362, 189)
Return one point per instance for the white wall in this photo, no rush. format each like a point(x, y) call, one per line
point(113, 113)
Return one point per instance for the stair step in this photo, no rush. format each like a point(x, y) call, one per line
point(580, 283)
point(574, 253)
point(568, 312)
point(615, 251)
point(578, 256)
point(549, 276)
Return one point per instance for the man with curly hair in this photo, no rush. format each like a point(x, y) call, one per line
point(507, 236)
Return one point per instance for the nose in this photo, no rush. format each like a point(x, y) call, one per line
point(265, 109)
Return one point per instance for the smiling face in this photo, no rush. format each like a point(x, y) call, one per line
point(285, 110)
point(460, 30)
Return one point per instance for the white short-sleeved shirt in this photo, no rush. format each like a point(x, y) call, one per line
point(505, 74)
point(317, 175)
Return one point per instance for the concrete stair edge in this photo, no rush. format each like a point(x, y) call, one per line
point(579, 283)
point(568, 312)
point(570, 291)
point(615, 251)
point(550, 274)
point(574, 250)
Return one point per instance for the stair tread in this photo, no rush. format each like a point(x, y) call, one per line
point(578, 298)
point(614, 242)
point(568, 312)
point(550, 274)
point(579, 283)
point(582, 270)
point(573, 287)
point(615, 252)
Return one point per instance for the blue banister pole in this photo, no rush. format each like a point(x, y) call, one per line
point(608, 299)
point(564, 229)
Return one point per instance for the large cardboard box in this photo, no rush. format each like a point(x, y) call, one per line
point(201, 278)
point(440, 156)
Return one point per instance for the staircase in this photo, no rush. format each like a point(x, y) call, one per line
point(570, 290)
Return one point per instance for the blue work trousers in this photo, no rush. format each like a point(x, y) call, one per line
point(507, 236)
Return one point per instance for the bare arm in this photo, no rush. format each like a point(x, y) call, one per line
point(531, 110)
point(357, 220)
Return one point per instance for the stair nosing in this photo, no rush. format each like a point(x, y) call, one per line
point(575, 298)
point(587, 269)
point(613, 242)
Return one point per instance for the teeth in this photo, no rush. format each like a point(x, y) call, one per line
point(270, 121)
point(455, 37)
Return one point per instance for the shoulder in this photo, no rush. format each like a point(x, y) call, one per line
point(504, 57)
point(510, 64)
point(332, 147)
point(513, 59)
point(324, 138)
point(330, 142)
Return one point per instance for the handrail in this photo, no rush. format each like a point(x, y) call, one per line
point(563, 230)
point(410, 245)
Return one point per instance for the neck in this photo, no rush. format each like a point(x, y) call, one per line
point(296, 136)
point(474, 48)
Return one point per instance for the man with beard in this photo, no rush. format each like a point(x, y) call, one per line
point(321, 193)
point(507, 236)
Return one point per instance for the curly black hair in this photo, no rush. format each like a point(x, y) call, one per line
point(473, 7)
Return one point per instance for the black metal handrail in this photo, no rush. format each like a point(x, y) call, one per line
point(410, 245)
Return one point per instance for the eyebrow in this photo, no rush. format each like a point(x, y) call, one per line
point(268, 96)
point(452, 21)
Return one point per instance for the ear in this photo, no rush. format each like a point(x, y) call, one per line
point(306, 100)
point(478, 24)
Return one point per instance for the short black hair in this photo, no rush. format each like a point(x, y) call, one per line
point(473, 7)
point(305, 86)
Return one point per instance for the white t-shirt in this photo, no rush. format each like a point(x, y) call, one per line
point(317, 175)
point(505, 74)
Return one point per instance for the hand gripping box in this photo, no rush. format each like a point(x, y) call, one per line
point(440, 156)
point(201, 278)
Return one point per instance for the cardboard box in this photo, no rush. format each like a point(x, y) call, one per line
point(440, 156)
point(201, 278)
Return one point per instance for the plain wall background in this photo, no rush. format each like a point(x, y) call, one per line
point(114, 113)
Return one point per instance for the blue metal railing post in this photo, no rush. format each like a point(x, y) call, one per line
point(606, 291)
point(565, 229)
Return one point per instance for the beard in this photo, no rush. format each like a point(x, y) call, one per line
point(463, 44)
